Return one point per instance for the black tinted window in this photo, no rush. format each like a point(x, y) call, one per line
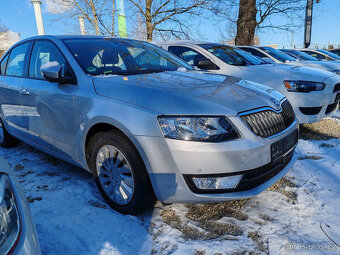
point(44, 52)
point(3, 65)
point(254, 52)
point(229, 55)
point(315, 55)
point(279, 55)
point(16, 62)
point(187, 54)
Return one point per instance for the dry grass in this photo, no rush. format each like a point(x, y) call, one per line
point(323, 130)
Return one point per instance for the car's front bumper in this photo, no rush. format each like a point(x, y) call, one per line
point(313, 106)
point(172, 160)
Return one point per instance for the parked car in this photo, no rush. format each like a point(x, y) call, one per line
point(266, 52)
point(278, 56)
point(143, 122)
point(335, 51)
point(17, 230)
point(313, 93)
point(300, 55)
point(321, 54)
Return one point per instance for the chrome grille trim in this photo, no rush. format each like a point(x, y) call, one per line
point(266, 122)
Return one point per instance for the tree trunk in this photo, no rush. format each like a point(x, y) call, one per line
point(246, 22)
point(148, 20)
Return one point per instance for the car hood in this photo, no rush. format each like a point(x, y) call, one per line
point(326, 65)
point(187, 92)
point(273, 75)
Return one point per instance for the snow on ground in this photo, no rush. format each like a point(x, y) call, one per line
point(292, 217)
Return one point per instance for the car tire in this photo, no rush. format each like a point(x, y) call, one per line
point(120, 173)
point(6, 140)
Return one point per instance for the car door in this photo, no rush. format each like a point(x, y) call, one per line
point(49, 106)
point(12, 79)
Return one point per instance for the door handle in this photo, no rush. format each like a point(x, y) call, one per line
point(24, 92)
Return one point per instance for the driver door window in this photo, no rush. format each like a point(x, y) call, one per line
point(254, 52)
point(316, 55)
point(44, 52)
point(188, 55)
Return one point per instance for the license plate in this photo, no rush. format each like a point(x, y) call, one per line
point(282, 146)
point(337, 98)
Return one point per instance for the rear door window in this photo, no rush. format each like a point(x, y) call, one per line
point(16, 61)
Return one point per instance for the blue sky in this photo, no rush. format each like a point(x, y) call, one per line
point(18, 16)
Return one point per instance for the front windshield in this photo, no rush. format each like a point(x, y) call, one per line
point(330, 54)
point(231, 56)
point(107, 56)
point(303, 55)
point(279, 55)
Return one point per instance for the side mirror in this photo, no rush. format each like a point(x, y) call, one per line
point(206, 64)
point(52, 73)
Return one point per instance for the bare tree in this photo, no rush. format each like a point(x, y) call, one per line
point(100, 14)
point(167, 17)
point(256, 15)
point(3, 37)
point(3, 28)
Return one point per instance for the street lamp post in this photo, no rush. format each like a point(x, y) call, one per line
point(308, 23)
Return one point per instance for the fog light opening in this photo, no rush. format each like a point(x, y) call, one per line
point(228, 182)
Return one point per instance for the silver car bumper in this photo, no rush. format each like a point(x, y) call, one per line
point(172, 161)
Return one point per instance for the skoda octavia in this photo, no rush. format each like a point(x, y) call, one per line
point(143, 122)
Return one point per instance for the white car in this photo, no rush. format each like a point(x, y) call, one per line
point(279, 56)
point(313, 93)
point(321, 54)
point(17, 230)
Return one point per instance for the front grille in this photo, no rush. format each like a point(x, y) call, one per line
point(250, 179)
point(268, 122)
point(336, 88)
point(331, 107)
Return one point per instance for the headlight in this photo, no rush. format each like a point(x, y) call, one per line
point(336, 71)
point(205, 129)
point(9, 216)
point(303, 86)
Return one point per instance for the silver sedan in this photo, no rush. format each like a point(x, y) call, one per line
point(144, 122)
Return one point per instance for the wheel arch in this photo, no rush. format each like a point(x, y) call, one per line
point(100, 125)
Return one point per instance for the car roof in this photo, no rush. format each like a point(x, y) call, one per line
point(61, 37)
point(302, 49)
point(176, 42)
point(249, 46)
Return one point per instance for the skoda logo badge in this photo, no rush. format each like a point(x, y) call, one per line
point(275, 102)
